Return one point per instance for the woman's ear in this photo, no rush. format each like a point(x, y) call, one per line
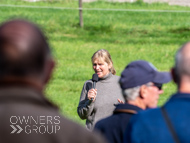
point(110, 66)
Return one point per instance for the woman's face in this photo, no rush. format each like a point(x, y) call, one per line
point(101, 68)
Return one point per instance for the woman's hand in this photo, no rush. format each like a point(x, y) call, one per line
point(92, 94)
point(120, 101)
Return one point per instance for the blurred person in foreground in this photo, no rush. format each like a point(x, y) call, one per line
point(169, 123)
point(96, 104)
point(141, 86)
point(26, 65)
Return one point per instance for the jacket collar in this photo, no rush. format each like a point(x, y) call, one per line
point(126, 108)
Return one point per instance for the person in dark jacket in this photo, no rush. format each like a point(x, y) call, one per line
point(141, 86)
point(170, 122)
point(26, 65)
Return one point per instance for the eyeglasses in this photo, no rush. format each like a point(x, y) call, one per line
point(159, 86)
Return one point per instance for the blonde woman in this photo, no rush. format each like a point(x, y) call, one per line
point(96, 104)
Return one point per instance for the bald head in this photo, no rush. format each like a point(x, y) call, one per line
point(182, 59)
point(23, 49)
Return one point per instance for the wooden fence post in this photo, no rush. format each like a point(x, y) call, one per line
point(80, 13)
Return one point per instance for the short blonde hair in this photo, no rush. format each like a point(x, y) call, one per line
point(104, 55)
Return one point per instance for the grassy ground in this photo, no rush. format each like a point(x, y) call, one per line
point(128, 36)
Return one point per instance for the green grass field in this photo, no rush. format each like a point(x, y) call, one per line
point(127, 35)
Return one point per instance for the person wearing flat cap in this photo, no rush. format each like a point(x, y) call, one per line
point(141, 86)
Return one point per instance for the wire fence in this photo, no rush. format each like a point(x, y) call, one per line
point(95, 9)
point(170, 2)
point(80, 8)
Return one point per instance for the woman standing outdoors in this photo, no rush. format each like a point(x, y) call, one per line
point(96, 104)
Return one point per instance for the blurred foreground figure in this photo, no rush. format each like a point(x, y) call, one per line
point(170, 123)
point(26, 115)
point(141, 86)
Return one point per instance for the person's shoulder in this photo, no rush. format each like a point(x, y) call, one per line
point(146, 116)
point(116, 76)
point(141, 125)
point(142, 120)
point(87, 81)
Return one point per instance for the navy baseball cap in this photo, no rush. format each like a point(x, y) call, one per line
point(141, 72)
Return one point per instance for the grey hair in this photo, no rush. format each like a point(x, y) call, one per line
point(182, 62)
point(131, 94)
